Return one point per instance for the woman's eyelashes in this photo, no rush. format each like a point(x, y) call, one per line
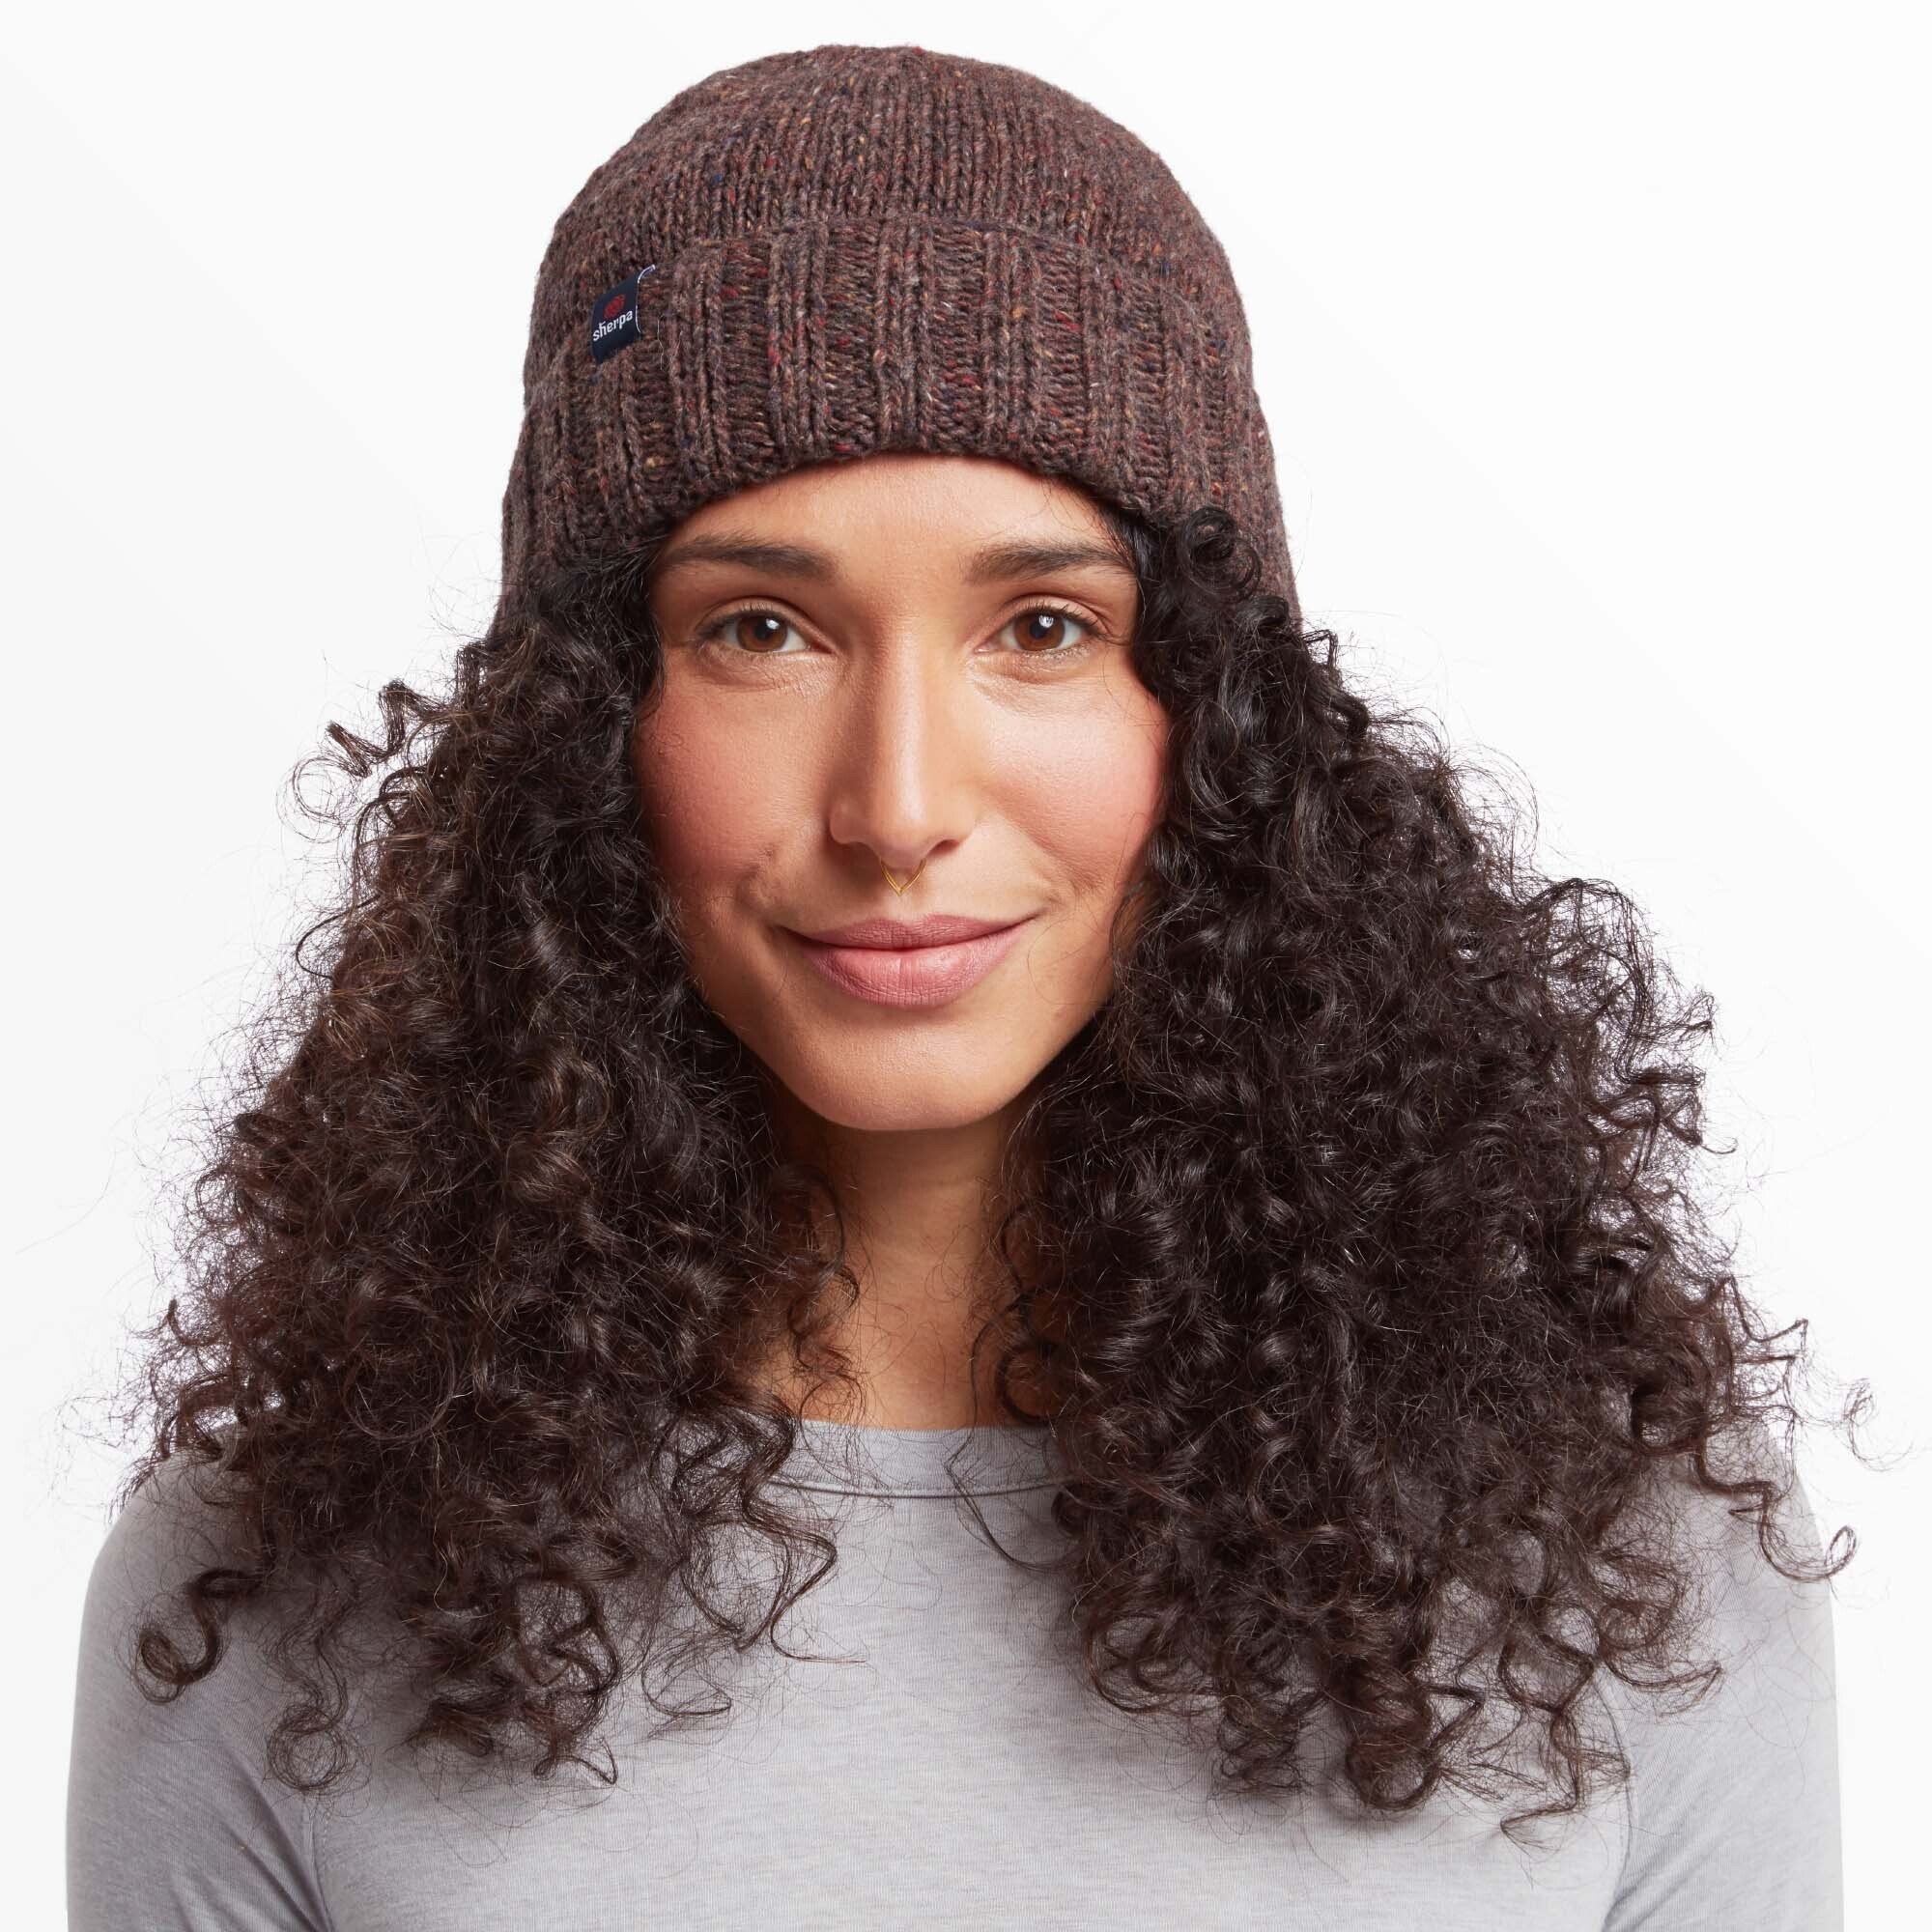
point(731, 633)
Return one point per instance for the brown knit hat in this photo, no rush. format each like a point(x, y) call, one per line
point(826, 254)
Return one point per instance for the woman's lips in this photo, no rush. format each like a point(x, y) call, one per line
point(911, 975)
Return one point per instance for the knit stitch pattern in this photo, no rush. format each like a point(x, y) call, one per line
point(858, 249)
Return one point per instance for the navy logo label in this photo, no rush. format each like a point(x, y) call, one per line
point(613, 318)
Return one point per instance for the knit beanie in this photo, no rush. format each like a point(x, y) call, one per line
point(821, 255)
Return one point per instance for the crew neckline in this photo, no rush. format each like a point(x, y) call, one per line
point(856, 1459)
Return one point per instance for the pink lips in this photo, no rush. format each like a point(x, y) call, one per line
point(926, 975)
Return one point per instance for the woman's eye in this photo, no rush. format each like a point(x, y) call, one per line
point(752, 631)
point(1041, 632)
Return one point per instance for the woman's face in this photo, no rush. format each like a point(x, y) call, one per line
point(889, 664)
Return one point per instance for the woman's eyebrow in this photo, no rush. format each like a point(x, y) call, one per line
point(1002, 560)
point(993, 564)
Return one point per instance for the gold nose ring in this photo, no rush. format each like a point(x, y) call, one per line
point(893, 882)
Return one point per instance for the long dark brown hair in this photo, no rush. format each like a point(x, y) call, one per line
point(1355, 1237)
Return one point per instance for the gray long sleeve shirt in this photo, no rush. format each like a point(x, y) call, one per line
point(954, 1772)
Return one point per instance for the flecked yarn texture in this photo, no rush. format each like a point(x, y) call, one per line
point(853, 250)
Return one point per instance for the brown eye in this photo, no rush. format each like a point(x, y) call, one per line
point(1043, 627)
point(754, 631)
point(1042, 633)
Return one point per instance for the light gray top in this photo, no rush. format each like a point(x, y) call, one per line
point(953, 1773)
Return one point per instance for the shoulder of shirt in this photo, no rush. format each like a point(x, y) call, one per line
point(161, 1533)
point(164, 1534)
point(1755, 1648)
point(1743, 1609)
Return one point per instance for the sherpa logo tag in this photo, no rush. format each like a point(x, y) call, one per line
point(613, 320)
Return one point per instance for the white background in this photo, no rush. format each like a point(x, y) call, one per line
point(1592, 340)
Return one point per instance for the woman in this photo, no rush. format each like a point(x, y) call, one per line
point(942, 1241)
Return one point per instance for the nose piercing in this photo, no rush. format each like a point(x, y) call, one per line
point(893, 882)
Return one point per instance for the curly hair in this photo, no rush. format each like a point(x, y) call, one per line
point(1353, 1237)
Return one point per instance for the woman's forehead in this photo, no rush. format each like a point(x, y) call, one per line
point(978, 521)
